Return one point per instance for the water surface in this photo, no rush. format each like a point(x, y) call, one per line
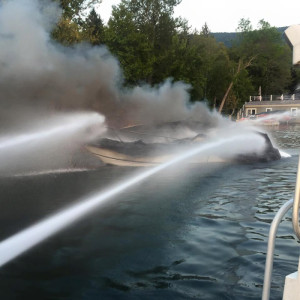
point(192, 233)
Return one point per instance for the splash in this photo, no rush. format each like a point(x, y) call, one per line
point(284, 154)
point(26, 239)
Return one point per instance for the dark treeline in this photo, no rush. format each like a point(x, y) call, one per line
point(152, 45)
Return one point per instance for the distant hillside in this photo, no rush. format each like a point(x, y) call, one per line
point(228, 37)
point(225, 37)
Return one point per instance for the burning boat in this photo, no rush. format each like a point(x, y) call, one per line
point(157, 148)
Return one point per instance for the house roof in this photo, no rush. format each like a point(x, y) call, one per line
point(273, 103)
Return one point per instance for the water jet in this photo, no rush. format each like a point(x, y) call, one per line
point(68, 124)
point(26, 239)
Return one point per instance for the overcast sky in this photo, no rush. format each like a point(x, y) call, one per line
point(224, 16)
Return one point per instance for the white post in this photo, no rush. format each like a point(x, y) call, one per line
point(250, 99)
point(293, 97)
point(281, 97)
point(292, 286)
point(271, 97)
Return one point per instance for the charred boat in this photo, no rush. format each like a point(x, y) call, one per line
point(140, 154)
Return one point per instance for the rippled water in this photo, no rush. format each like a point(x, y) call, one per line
point(184, 234)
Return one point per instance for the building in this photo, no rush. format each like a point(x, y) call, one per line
point(262, 104)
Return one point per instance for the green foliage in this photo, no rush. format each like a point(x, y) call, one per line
point(242, 88)
point(244, 26)
point(67, 32)
point(152, 46)
point(69, 28)
point(74, 9)
point(295, 79)
point(140, 34)
point(205, 30)
point(185, 64)
point(219, 77)
point(93, 29)
point(71, 8)
point(272, 58)
point(210, 67)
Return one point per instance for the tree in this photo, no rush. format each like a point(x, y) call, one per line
point(244, 26)
point(271, 67)
point(69, 28)
point(93, 28)
point(130, 45)
point(205, 30)
point(212, 67)
point(75, 9)
point(241, 66)
point(141, 34)
point(67, 32)
point(185, 63)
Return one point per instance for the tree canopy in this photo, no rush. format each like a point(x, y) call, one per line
point(152, 46)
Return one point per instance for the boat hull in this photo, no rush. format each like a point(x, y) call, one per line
point(140, 154)
point(111, 157)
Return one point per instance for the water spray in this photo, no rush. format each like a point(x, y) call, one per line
point(282, 116)
point(26, 239)
point(68, 124)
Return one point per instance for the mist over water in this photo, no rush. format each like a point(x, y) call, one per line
point(48, 143)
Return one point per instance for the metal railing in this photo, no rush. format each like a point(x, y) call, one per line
point(282, 97)
point(273, 231)
point(271, 245)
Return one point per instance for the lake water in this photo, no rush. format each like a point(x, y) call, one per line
point(186, 233)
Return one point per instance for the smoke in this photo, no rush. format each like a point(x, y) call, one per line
point(37, 74)
point(49, 143)
point(167, 103)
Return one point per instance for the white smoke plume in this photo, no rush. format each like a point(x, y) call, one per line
point(36, 73)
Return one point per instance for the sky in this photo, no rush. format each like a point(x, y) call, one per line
point(224, 16)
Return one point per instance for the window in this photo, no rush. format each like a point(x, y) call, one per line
point(268, 109)
point(251, 111)
point(294, 112)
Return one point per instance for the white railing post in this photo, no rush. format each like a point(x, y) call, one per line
point(292, 286)
point(271, 245)
point(271, 98)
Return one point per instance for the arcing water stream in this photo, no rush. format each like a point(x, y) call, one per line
point(26, 239)
point(68, 124)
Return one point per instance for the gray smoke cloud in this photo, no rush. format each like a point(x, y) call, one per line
point(39, 75)
point(169, 102)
